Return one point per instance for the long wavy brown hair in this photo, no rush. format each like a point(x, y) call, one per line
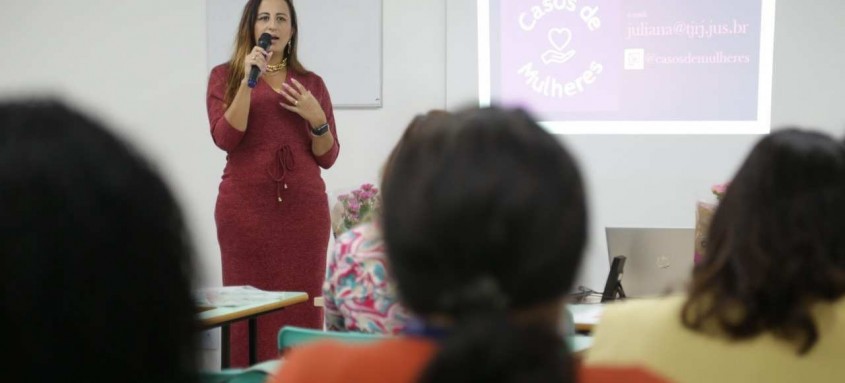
point(245, 41)
point(776, 244)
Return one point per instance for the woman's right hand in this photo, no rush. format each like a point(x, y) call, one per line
point(258, 57)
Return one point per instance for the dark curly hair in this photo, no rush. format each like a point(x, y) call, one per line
point(776, 244)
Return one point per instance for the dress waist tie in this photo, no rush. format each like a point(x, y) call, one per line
point(282, 163)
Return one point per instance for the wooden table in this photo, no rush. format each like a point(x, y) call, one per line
point(222, 317)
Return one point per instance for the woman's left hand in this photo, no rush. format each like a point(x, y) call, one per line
point(303, 103)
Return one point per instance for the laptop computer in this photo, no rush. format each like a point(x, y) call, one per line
point(658, 261)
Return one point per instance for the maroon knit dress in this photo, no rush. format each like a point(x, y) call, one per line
point(272, 212)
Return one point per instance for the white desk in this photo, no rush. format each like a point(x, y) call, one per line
point(585, 315)
point(223, 316)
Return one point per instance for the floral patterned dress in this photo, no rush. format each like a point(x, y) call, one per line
point(358, 293)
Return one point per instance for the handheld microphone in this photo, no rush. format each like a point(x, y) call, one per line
point(263, 42)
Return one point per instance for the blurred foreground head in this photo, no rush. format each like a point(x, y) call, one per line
point(96, 261)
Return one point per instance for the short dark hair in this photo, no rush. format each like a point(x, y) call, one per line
point(484, 214)
point(776, 244)
point(96, 261)
point(417, 124)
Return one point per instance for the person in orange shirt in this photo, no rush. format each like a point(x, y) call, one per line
point(484, 218)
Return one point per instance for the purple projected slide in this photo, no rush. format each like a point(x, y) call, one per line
point(632, 60)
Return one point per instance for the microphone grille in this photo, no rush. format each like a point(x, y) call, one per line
point(264, 40)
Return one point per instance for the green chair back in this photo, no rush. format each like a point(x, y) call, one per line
point(290, 336)
point(569, 322)
point(233, 375)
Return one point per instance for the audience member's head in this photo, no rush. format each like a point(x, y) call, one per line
point(776, 244)
point(485, 223)
point(417, 124)
point(96, 261)
point(368, 302)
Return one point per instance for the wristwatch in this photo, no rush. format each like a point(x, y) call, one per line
point(321, 130)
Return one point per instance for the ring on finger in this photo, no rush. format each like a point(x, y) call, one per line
point(295, 102)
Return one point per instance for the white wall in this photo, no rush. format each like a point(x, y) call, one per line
point(141, 66)
point(653, 180)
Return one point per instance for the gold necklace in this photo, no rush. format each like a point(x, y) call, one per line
point(277, 67)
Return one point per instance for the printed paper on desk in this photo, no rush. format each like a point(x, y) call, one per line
point(231, 296)
point(586, 313)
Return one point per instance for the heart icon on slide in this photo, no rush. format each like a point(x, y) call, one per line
point(560, 37)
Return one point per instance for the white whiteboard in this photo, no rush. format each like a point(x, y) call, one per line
point(340, 40)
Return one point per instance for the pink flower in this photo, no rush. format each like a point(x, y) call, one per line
point(358, 205)
point(353, 205)
point(719, 189)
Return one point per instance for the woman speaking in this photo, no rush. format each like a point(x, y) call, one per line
point(272, 213)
